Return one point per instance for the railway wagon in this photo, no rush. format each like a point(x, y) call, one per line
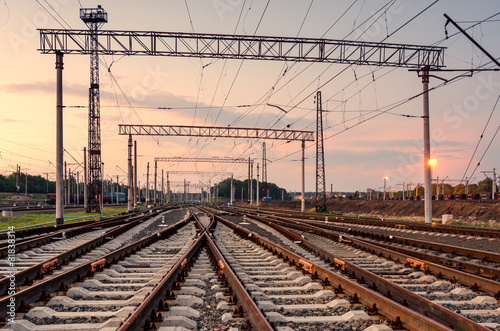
point(73, 199)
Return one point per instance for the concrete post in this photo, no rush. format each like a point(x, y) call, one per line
point(147, 185)
point(257, 186)
point(303, 201)
point(59, 141)
point(427, 149)
point(231, 198)
point(130, 175)
point(85, 178)
point(156, 174)
point(251, 184)
point(135, 173)
point(168, 189)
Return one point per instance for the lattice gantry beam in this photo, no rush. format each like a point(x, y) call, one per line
point(201, 159)
point(243, 47)
point(201, 173)
point(210, 131)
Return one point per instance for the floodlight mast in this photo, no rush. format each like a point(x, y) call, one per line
point(94, 18)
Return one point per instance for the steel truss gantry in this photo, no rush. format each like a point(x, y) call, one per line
point(113, 42)
point(201, 159)
point(213, 132)
point(64, 41)
point(203, 173)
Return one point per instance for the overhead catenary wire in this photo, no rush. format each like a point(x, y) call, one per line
point(479, 142)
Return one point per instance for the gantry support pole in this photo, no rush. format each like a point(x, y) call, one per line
point(130, 174)
point(257, 186)
point(154, 192)
point(303, 201)
point(162, 195)
point(251, 184)
point(59, 141)
point(135, 174)
point(427, 149)
point(168, 189)
point(248, 181)
point(85, 178)
point(231, 198)
point(147, 185)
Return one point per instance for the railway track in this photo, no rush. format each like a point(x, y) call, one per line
point(206, 272)
point(381, 222)
point(478, 306)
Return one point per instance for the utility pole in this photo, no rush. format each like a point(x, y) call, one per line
point(154, 193)
point(18, 178)
point(130, 176)
point(168, 189)
point(135, 173)
point(303, 201)
point(47, 181)
point(320, 157)
point(117, 183)
point(147, 185)
point(26, 183)
point(78, 187)
point(101, 207)
point(264, 171)
point(85, 200)
point(231, 198)
point(69, 186)
point(242, 194)
point(494, 182)
point(162, 197)
point(257, 191)
point(251, 184)
point(65, 184)
point(59, 141)
point(427, 149)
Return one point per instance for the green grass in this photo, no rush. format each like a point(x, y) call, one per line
point(33, 219)
point(36, 196)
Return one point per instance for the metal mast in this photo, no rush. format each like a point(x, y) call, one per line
point(264, 170)
point(94, 18)
point(320, 157)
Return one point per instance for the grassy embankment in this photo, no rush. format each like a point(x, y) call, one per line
point(70, 217)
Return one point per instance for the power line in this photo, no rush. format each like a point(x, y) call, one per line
point(480, 138)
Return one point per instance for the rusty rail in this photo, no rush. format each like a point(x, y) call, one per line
point(423, 316)
point(425, 261)
point(484, 271)
point(41, 289)
point(411, 225)
point(147, 310)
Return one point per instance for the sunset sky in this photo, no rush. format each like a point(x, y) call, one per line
point(210, 91)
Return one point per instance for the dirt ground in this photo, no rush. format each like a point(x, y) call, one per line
point(485, 213)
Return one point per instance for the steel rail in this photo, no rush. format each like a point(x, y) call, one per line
point(490, 256)
point(146, 312)
point(419, 260)
point(471, 268)
point(484, 255)
point(391, 290)
point(39, 270)
point(20, 300)
point(391, 309)
point(411, 225)
point(469, 274)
